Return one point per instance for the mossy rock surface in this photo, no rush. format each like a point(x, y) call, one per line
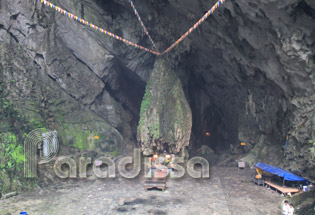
point(165, 116)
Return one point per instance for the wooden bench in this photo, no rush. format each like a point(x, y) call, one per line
point(284, 190)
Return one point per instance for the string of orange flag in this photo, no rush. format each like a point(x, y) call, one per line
point(128, 42)
point(139, 18)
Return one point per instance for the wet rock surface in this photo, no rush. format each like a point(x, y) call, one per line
point(228, 191)
point(165, 116)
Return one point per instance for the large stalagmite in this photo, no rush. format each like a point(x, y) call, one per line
point(165, 116)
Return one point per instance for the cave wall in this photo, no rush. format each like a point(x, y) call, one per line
point(77, 79)
point(249, 76)
point(247, 73)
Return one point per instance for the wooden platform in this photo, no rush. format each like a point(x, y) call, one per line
point(284, 190)
point(158, 180)
point(158, 183)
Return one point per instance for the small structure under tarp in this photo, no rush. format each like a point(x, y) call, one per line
point(278, 173)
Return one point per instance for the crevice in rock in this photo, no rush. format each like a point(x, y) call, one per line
point(111, 6)
point(18, 30)
point(82, 11)
point(305, 8)
point(14, 37)
point(9, 32)
point(81, 61)
point(38, 55)
point(14, 16)
point(128, 92)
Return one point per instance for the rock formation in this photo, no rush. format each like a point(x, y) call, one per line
point(165, 116)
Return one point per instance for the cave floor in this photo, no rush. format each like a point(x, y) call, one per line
point(227, 191)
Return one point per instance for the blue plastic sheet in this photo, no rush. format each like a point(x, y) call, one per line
point(288, 176)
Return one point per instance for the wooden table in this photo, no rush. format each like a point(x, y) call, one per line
point(158, 180)
point(259, 181)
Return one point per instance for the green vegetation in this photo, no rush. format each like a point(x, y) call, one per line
point(12, 152)
point(164, 113)
point(157, 129)
point(11, 160)
point(181, 112)
point(81, 140)
point(36, 123)
point(8, 113)
point(75, 136)
point(13, 129)
point(144, 105)
point(154, 130)
point(114, 153)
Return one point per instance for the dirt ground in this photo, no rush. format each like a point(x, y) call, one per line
point(228, 191)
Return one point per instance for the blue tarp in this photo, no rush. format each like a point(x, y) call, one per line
point(288, 176)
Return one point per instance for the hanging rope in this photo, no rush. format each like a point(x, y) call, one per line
point(214, 7)
point(139, 18)
point(76, 18)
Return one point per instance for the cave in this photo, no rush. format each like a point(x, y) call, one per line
point(240, 86)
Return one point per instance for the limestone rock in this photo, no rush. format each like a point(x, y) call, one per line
point(165, 118)
point(208, 153)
